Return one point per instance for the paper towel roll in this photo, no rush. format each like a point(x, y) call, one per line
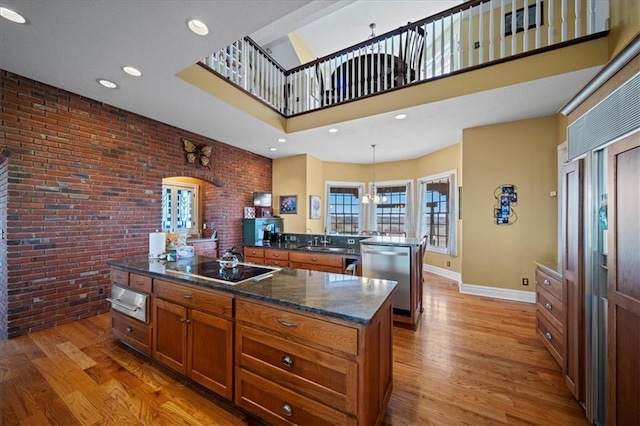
point(157, 244)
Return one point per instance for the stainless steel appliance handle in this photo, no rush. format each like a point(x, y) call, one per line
point(387, 253)
point(117, 302)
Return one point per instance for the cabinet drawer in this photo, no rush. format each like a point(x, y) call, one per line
point(140, 282)
point(119, 276)
point(549, 283)
point(207, 301)
point(551, 337)
point(316, 267)
point(314, 258)
point(552, 307)
point(253, 252)
point(316, 374)
point(276, 262)
point(133, 332)
point(276, 254)
point(279, 405)
point(304, 328)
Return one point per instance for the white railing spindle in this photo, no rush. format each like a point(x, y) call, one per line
point(442, 61)
point(551, 21)
point(491, 32)
point(470, 41)
point(451, 43)
point(513, 27)
point(563, 16)
point(538, 21)
point(502, 30)
point(525, 27)
point(578, 21)
point(591, 19)
point(460, 38)
point(480, 35)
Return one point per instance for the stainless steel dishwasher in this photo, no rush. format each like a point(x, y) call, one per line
point(390, 263)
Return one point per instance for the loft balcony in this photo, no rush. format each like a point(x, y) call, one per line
point(472, 36)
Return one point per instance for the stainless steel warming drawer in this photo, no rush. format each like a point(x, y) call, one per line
point(130, 303)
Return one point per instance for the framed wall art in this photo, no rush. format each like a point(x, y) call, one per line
point(314, 207)
point(288, 204)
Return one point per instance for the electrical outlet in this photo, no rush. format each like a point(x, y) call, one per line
point(351, 241)
point(448, 263)
point(100, 290)
point(293, 238)
point(525, 281)
point(476, 45)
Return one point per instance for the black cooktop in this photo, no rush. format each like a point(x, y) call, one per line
point(212, 270)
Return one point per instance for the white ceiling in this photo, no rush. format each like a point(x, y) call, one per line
point(71, 43)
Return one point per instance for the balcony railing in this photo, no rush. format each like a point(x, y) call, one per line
point(474, 33)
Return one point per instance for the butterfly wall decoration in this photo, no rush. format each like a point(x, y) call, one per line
point(198, 155)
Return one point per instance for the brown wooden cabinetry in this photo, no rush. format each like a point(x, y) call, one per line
point(130, 330)
point(316, 262)
point(276, 257)
point(294, 368)
point(205, 248)
point(193, 334)
point(254, 255)
point(550, 314)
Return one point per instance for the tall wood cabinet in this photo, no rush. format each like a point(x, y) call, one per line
point(572, 276)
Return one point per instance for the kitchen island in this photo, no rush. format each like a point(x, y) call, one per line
point(290, 346)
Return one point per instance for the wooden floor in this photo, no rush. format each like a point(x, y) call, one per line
point(472, 361)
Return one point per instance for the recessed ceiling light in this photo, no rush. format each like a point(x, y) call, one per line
point(108, 84)
point(12, 16)
point(273, 148)
point(282, 140)
point(333, 130)
point(198, 27)
point(400, 116)
point(132, 71)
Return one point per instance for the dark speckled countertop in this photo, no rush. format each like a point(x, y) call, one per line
point(353, 250)
point(346, 297)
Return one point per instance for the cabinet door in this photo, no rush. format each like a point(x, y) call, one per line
point(572, 208)
point(170, 335)
point(210, 345)
point(623, 282)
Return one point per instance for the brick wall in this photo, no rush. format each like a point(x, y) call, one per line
point(83, 185)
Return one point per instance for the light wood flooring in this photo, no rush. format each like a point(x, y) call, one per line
point(473, 361)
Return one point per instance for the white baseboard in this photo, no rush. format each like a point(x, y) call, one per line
point(498, 293)
point(481, 290)
point(442, 272)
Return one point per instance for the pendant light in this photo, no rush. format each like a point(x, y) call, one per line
point(373, 197)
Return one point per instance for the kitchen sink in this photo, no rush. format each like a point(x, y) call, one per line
point(327, 249)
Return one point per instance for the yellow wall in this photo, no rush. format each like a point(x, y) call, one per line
point(315, 186)
point(521, 153)
point(290, 178)
point(624, 24)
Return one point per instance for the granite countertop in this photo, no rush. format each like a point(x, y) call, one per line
point(350, 298)
point(392, 241)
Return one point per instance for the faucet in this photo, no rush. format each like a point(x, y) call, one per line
point(325, 240)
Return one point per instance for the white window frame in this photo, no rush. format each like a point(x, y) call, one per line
point(195, 202)
point(328, 186)
point(452, 237)
point(408, 209)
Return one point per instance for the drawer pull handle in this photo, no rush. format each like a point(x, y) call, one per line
point(546, 282)
point(286, 323)
point(314, 259)
point(128, 330)
point(188, 321)
point(548, 305)
point(287, 410)
point(276, 255)
point(287, 361)
point(139, 282)
point(187, 296)
point(548, 335)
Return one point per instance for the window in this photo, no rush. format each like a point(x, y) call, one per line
point(438, 212)
point(344, 215)
point(180, 207)
point(392, 215)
